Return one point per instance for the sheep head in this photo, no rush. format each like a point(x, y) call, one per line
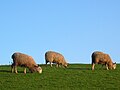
point(36, 69)
point(114, 65)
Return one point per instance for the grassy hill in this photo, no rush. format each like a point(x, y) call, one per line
point(75, 77)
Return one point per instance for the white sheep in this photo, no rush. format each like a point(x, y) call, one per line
point(23, 60)
point(102, 58)
point(54, 57)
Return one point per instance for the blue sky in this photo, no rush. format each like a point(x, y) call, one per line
point(75, 28)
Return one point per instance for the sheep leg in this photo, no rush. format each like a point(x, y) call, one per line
point(51, 64)
point(15, 69)
point(57, 65)
point(12, 69)
point(46, 62)
point(25, 71)
point(107, 67)
point(93, 65)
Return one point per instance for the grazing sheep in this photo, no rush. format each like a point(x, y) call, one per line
point(23, 60)
point(102, 58)
point(54, 57)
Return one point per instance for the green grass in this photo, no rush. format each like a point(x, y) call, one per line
point(75, 77)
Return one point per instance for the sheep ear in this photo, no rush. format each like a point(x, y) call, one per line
point(35, 65)
point(114, 63)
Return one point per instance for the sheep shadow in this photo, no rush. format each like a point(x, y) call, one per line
point(8, 71)
point(79, 68)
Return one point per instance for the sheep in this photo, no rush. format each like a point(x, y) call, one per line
point(102, 58)
point(23, 60)
point(54, 57)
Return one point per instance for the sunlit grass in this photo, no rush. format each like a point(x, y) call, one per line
point(75, 77)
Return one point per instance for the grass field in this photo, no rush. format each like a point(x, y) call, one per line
point(75, 77)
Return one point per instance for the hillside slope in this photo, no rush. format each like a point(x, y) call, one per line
point(75, 77)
